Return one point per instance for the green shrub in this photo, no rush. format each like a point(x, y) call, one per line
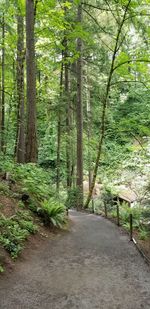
point(143, 233)
point(15, 230)
point(4, 188)
point(73, 195)
point(33, 205)
point(12, 237)
point(25, 215)
point(21, 204)
point(35, 180)
point(52, 212)
point(29, 226)
point(126, 225)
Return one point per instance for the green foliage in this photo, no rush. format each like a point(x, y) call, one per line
point(35, 180)
point(21, 205)
point(12, 236)
point(29, 226)
point(73, 195)
point(52, 212)
point(32, 205)
point(14, 231)
point(4, 188)
point(144, 233)
point(107, 196)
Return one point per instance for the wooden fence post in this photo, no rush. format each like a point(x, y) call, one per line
point(93, 209)
point(105, 206)
point(131, 227)
point(118, 217)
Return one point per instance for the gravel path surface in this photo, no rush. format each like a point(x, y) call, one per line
point(92, 266)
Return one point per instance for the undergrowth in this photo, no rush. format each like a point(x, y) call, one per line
point(34, 183)
point(14, 231)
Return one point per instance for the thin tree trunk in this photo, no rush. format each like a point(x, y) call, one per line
point(20, 149)
point(112, 68)
point(59, 132)
point(3, 88)
point(31, 138)
point(73, 147)
point(68, 143)
point(89, 135)
point(67, 101)
point(0, 111)
point(79, 118)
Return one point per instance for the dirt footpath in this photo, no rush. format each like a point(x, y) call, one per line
point(92, 266)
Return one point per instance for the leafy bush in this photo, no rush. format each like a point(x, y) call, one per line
point(31, 177)
point(52, 212)
point(29, 226)
point(33, 205)
point(35, 180)
point(73, 195)
point(144, 233)
point(25, 215)
point(108, 197)
point(21, 204)
point(12, 236)
point(4, 188)
point(15, 230)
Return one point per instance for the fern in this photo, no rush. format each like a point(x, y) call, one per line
point(52, 212)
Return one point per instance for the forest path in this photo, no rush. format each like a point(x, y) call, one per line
point(91, 266)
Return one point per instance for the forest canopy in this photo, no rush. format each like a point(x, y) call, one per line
point(74, 86)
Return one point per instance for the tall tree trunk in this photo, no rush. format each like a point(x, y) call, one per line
point(20, 147)
point(31, 138)
point(67, 100)
point(73, 146)
point(89, 123)
point(79, 118)
point(0, 109)
point(59, 132)
point(3, 88)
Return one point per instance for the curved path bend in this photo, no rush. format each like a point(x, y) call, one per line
point(91, 266)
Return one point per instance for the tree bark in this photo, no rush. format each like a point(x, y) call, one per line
point(31, 138)
point(59, 132)
point(79, 118)
point(20, 149)
point(89, 123)
point(67, 100)
point(3, 88)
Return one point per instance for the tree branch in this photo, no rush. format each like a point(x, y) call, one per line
point(96, 7)
point(95, 20)
point(129, 81)
point(129, 61)
point(102, 131)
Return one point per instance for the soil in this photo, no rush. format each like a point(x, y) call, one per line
point(92, 265)
point(8, 206)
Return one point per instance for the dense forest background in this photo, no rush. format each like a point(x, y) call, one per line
point(74, 87)
point(74, 116)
